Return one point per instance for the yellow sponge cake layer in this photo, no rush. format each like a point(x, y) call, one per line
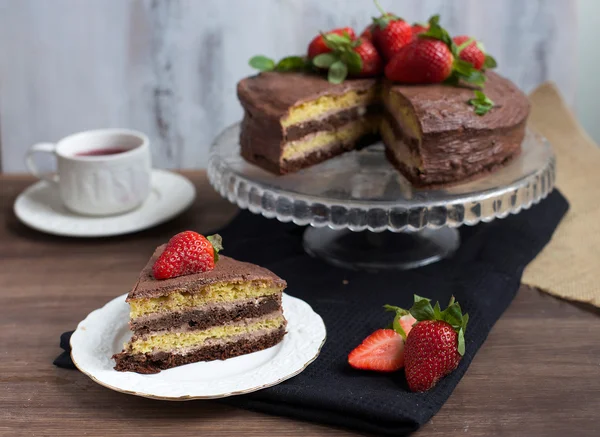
point(215, 293)
point(182, 340)
point(324, 105)
point(345, 135)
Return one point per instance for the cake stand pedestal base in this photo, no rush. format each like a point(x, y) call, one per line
point(381, 250)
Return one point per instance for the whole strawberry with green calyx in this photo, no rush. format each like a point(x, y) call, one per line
point(187, 253)
point(390, 33)
point(435, 344)
point(472, 51)
point(355, 58)
point(432, 58)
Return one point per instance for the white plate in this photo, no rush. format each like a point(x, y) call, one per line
point(40, 207)
point(104, 331)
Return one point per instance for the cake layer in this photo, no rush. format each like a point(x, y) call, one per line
point(208, 315)
point(330, 123)
point(190, 339)
point(345, 136)
point(227, 272)
point(213, 294)
point(155, 362)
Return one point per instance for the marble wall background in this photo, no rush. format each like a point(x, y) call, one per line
point(169, 67)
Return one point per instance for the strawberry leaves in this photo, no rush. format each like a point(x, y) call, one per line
point(289, 63)
point(396, 326)
point(217, 244)
point(482, 103)
point(422, 310)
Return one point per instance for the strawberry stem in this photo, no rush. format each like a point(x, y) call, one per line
point(464, 45)
point(217, 244)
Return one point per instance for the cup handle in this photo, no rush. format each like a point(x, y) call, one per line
point(36, 148)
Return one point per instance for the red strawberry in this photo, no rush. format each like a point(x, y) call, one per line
point(471, 53)
point(390, 34)
point(382, 351)
point(318, 45)
point(435, 344)
point(425, 60)
point(372, 64)
point(358, 58)
point(367, 33)
point(186, 253)
point(418, 28)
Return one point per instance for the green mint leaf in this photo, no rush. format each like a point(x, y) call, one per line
point(461, 342)
point(335, 41)
point(324, 60)
point(422, 309)
point(481, 103)
point(291, 63)
point(489, 62)
point(353, 61)
point(337, 72)
point(261, 63)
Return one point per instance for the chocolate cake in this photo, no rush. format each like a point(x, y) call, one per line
point(231, 310)
point(432, 134)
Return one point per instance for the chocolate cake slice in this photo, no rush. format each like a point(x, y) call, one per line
point(295, 120)
point(432, 134)
point(231, 310)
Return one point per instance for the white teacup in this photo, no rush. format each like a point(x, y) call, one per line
point(100, 172)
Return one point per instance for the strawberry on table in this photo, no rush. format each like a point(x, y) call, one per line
point(435, 344)
point(472, 51)
point(187, 253)
point(382, 351)
point(390, 33)
point(318, 45)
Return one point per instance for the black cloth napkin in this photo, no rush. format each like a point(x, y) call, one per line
point(484, 276)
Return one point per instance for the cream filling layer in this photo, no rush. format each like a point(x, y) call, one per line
point(215, 293)
point(186, 328)
point(181, 340)
point(325, 140)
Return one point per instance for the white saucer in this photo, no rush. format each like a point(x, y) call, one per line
point(40, 207)
point(104, 331)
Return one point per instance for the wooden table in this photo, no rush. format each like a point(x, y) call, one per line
point(538, 374)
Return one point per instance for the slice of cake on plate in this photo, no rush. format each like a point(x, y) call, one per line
point(202, 310)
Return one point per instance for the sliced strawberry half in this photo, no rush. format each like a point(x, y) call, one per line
point(382, 351)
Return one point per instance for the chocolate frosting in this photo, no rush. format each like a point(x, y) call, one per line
point(272, 94)
point(443, 108)
point(226, 270)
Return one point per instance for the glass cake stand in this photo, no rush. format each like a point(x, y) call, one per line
point(364, 214)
